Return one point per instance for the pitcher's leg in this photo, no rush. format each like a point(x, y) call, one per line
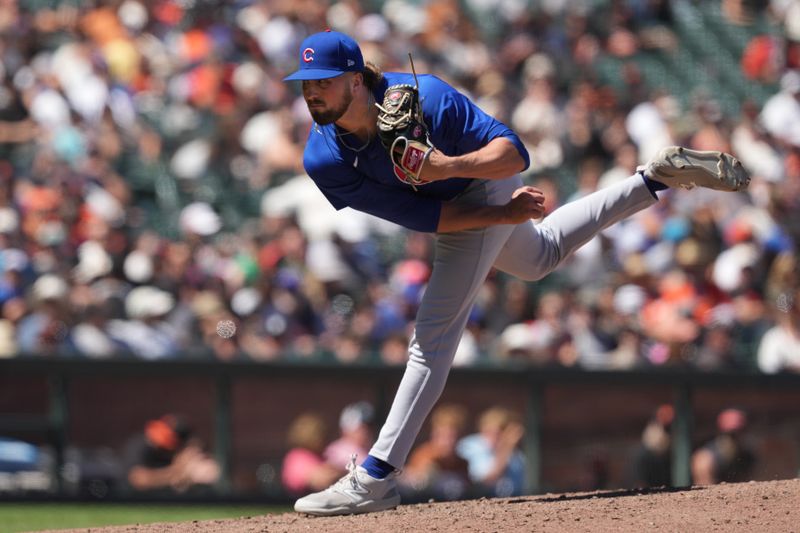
point(534, 250)
point(462, 262)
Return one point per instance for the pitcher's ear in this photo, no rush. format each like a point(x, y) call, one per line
point(358, 79)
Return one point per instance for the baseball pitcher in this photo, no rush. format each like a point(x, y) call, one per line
point(415, 151)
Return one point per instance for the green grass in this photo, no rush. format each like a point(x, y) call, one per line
point(15, 517)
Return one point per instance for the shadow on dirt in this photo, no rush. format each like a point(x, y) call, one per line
point(603, 494)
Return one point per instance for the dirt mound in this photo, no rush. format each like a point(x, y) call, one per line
point(772, 506)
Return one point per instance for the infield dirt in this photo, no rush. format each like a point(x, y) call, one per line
point(771, 506)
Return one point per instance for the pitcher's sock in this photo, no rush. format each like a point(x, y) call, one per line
point(377, 468)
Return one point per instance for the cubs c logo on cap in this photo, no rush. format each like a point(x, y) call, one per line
point(326, 55)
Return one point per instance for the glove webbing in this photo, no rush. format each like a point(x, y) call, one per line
point(397, 117)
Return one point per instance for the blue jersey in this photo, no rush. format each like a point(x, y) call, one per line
point(365, 179)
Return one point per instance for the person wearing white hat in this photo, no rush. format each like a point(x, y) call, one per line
point(44, 331)
point(145, 333)
point(356, 427)
point(781, 113)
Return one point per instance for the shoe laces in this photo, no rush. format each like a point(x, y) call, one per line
point(351, 478)
point(351, 469)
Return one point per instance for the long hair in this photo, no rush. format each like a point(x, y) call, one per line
point(372, 75)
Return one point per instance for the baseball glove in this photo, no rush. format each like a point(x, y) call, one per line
point(403, 133)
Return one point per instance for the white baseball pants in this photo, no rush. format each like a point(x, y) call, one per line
point(463, 260)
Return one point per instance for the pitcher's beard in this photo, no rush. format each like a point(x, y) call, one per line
point(329, 116)
point(323, 118)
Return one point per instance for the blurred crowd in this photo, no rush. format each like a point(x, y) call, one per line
point(465, 456)
point(153, 202)
point(451, 464)
point(460, 455)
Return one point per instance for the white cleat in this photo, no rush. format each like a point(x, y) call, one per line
point(676, 166)
point(357, 492)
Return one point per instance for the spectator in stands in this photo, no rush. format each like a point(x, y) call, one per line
point(434, 468)
point(146, 333)
point(652, 462)
point(781, 113)
point(394, 350)
point(715, 352)
point(166, 456)
point(24, 467)
point(496, 465)
point(13, 263)
point(356, 424)
point(89, 335)
point(511, 304)
point(304, 469)
point(349, 348)
point(538, 340)
point(779, 350)
point(726, 458)
point(43, 332)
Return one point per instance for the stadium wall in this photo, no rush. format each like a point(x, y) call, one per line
point(582, 427)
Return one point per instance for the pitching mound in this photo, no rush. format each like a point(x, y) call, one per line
point(772, 506)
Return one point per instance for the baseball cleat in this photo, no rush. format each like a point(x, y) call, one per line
point(676, 166)
point(357, 492)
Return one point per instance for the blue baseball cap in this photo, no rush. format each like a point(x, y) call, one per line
point(326, 55)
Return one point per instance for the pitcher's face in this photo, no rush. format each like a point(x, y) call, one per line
point(328, 99)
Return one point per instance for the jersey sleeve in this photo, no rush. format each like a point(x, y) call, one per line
point(458, 126)
point(346, 187)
